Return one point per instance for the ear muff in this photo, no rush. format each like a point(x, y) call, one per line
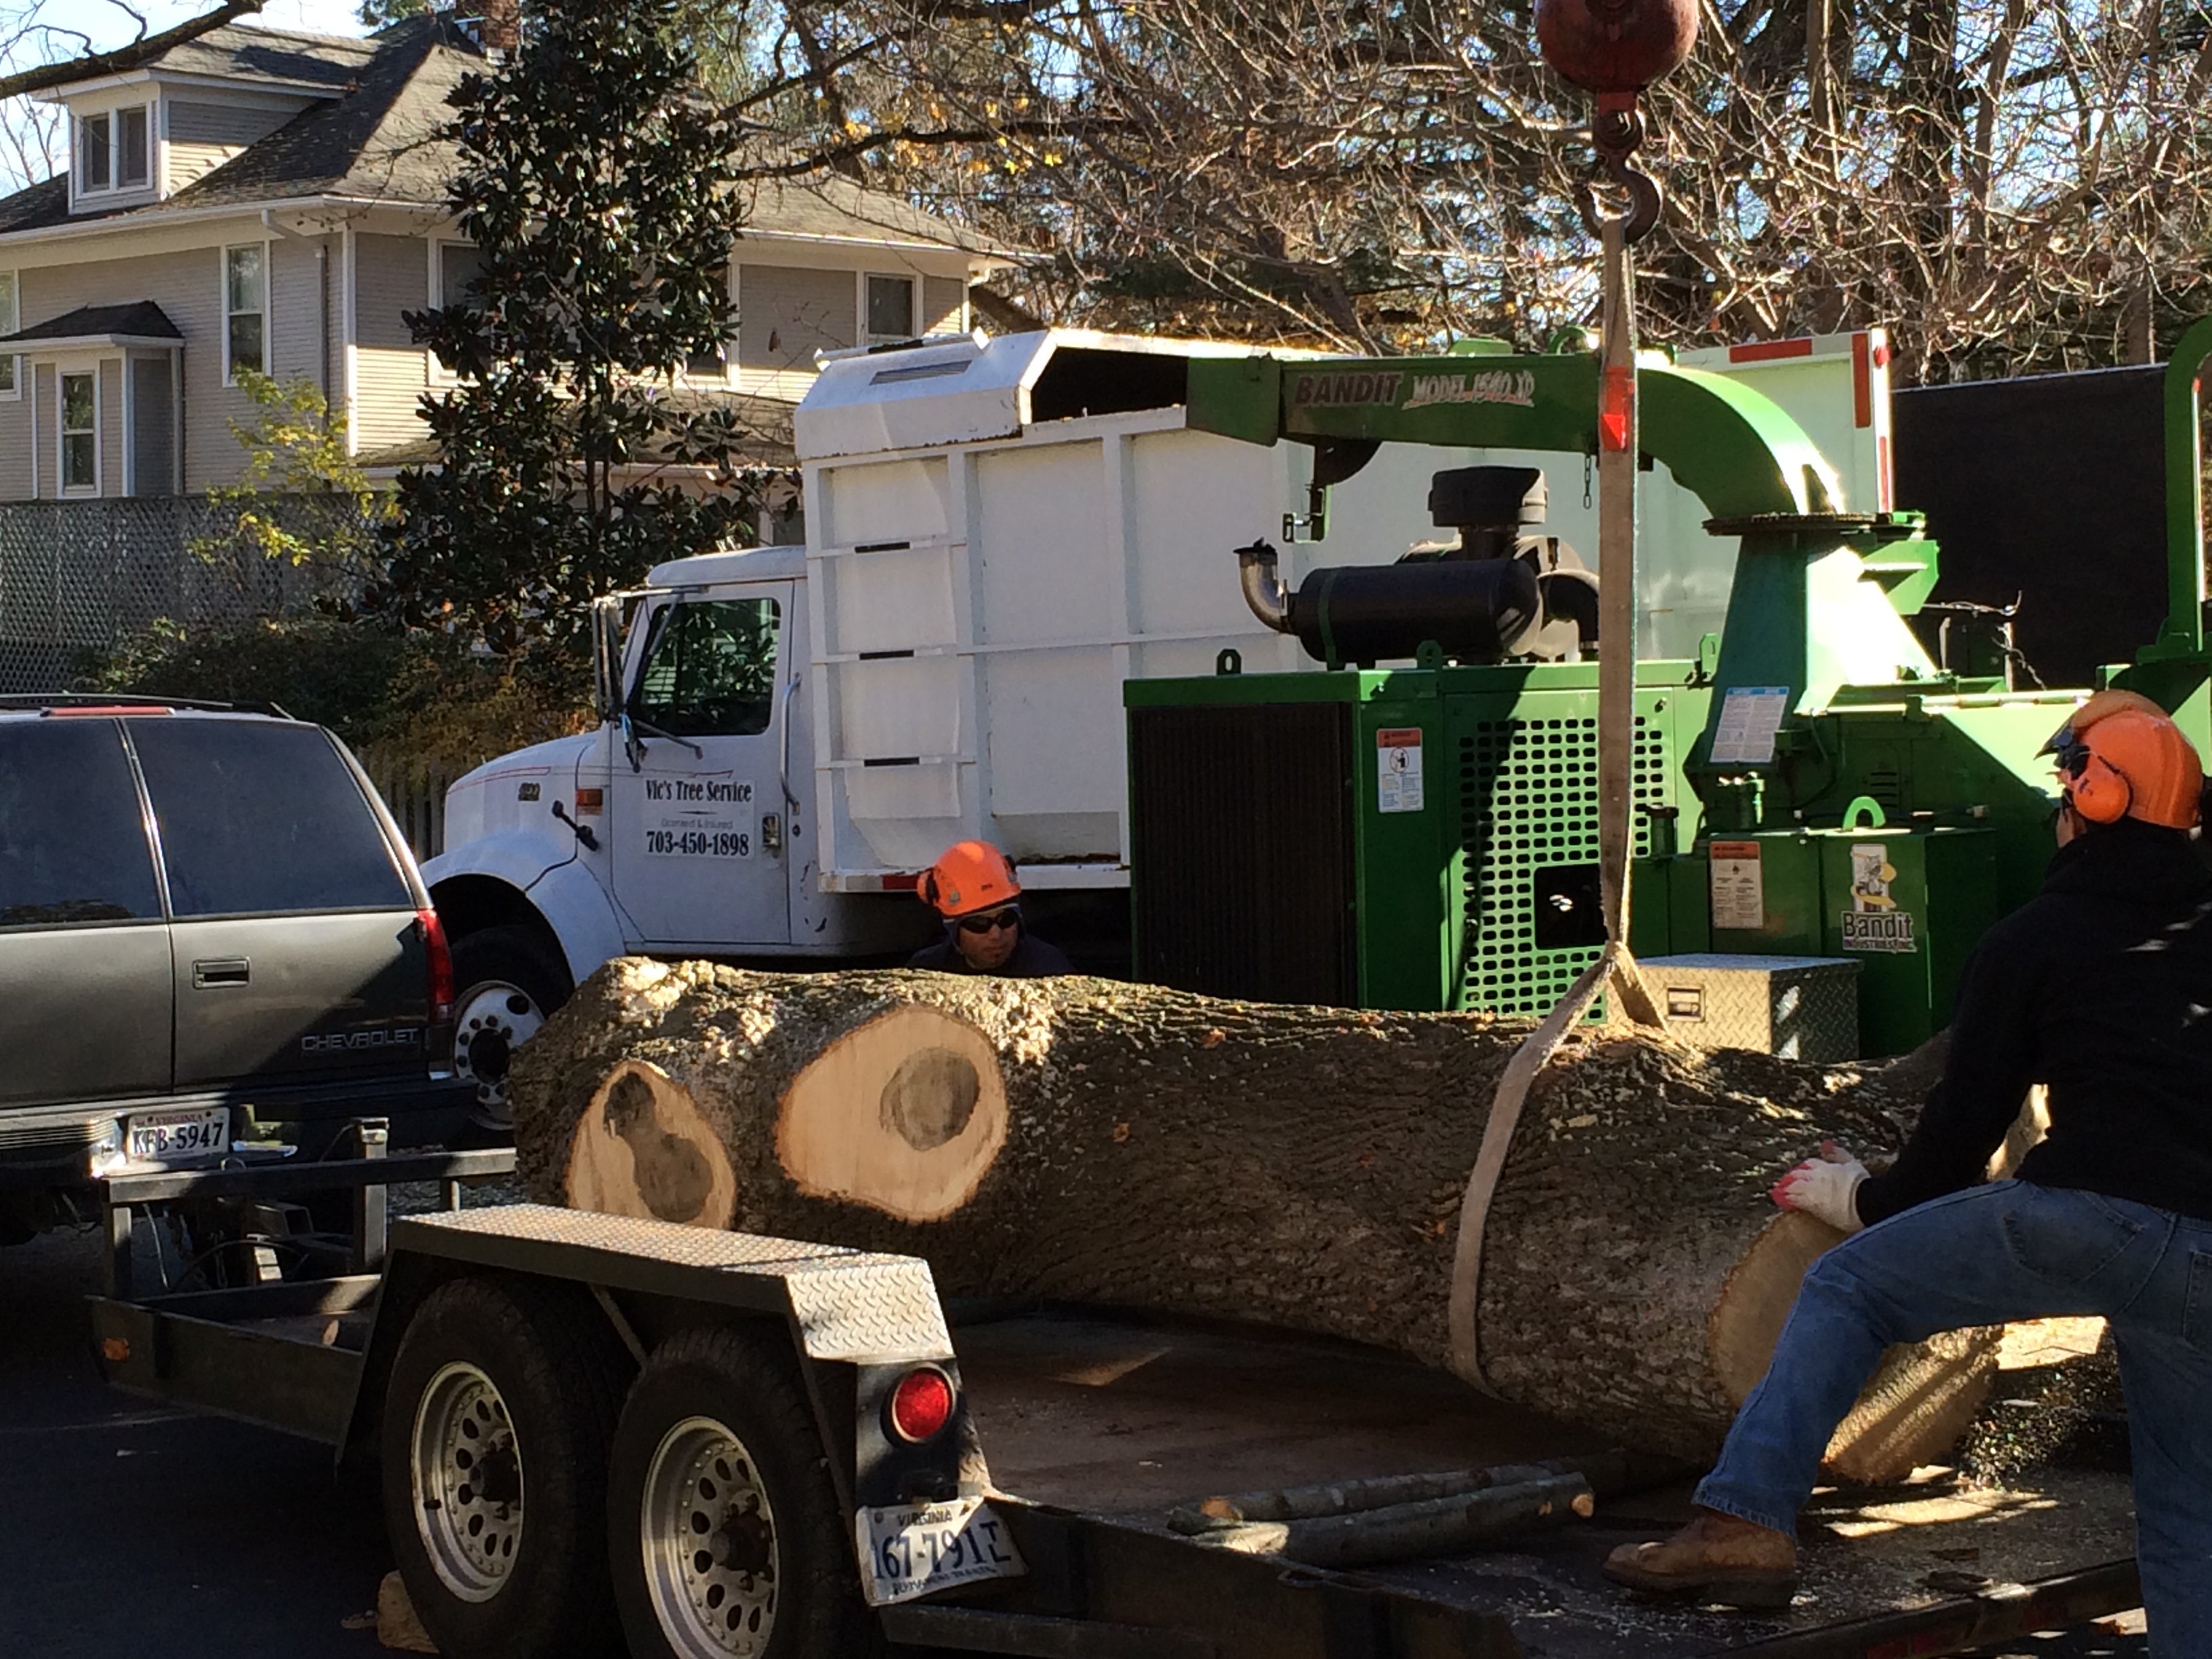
point(926, 889)
point(2099, 794)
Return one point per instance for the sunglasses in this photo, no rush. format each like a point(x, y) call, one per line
point(989, 920)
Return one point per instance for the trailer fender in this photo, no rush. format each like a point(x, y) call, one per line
point(514, 876)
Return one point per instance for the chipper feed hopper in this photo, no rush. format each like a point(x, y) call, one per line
point(1415, 827)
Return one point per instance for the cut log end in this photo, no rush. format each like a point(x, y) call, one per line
point(643, 1148)
point(905, 1114)
point(1919, 1402)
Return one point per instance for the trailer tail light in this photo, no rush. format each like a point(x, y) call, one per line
point(922, 1405)
point(440, 965)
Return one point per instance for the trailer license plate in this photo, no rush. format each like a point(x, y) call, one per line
point(916, 1549)
point(151, 1136)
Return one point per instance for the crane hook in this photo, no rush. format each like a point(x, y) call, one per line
point(1616, 133)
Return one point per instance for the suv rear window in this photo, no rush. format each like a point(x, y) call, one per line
point(72, 835)
point(260, 818)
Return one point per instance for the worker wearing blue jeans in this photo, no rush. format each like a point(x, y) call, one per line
point(2100, 988)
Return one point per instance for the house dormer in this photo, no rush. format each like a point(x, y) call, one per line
point(140, 138)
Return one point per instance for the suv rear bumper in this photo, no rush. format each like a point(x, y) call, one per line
point(45, 1147)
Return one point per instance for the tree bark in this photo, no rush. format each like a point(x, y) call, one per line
point(1084, 1140)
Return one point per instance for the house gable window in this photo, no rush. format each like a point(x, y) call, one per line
point(77, 398)
point(890, 308)
point(245, 310)
point(11, 320)
point(115, 150)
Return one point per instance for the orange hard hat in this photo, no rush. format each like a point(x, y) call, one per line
point(2121, 755)
point(969, 875)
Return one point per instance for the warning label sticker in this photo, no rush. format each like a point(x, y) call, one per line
point(1738, 887)
point(1398, 769)
point(1750, 716)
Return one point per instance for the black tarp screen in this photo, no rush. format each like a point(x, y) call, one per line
point(2051, 488)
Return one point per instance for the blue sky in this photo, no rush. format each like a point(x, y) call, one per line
point(108, 25)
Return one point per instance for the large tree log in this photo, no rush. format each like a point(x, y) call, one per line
point(1090, 1141)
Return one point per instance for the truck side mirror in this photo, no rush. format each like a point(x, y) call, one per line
point(606, 656)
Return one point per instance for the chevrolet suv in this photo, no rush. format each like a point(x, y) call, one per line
point(210, 932)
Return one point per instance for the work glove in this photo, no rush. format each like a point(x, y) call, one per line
point(1825, 1187)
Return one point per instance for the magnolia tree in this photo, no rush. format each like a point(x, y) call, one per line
point(599, 190)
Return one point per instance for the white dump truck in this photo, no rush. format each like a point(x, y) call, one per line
point(1000, 532)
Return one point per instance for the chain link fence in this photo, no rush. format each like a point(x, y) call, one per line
point(79, 580)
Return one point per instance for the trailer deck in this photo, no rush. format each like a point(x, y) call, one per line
point(1122, 1420)
point(1097, 1425)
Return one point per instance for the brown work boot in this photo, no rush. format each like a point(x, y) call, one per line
point(1718, 1557)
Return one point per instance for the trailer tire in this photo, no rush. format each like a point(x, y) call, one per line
point(507, 982)
point(718, 1419)
point(503, 1386)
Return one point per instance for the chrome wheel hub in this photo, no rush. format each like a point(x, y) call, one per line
point(495, 1020)
point(467, 1475)
point(709, 1540)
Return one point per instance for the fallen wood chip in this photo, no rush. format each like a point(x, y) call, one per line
point(397, 1626)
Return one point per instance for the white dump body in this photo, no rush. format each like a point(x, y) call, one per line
point(1001, 532)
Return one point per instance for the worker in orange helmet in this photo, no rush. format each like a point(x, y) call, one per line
point(2100, 988)
point(973, 887)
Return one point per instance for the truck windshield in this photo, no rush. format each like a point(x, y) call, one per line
point(710, 669)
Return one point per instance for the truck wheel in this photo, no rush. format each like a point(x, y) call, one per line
point(727, 1538)
point(508, 986)
point(502, 1400)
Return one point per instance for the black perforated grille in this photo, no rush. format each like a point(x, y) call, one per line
point(1241, 842)
point(1528, 794)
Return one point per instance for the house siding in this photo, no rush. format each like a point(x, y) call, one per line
point(188, 287)
point(203, 137)
point(788, 313)
point(49, 463)
point(110, 426)
point(944, 305)
point(15, 440)
point(222, 124)
point(153, 420)
point(296, 311)
point(392, 275)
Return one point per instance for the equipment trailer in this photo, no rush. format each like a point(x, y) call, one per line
point(787, 1441)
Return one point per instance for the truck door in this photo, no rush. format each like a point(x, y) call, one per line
point(697, 811)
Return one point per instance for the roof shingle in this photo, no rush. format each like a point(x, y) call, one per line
point(141, 317)
point(385, 139)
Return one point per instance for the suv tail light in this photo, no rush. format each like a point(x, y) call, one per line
point(922, 1405)
point(440, 964)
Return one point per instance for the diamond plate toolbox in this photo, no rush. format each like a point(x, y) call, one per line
point(1799, 1007)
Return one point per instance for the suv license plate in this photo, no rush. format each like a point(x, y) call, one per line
point(154, 1137)
point(916, 1549)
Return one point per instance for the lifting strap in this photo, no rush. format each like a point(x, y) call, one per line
point(1616, 753)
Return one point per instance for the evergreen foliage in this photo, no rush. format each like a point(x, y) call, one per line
point(597, 188)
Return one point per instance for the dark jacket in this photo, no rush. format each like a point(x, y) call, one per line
point(1032, 959)
point(2100, 987)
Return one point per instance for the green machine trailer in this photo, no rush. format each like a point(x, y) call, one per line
point(1813, 787)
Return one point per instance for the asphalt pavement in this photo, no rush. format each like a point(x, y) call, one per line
point(129, 1531)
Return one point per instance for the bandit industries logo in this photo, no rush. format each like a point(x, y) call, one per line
point(1501, 385)
point(1347, 389)
point(1875, 922)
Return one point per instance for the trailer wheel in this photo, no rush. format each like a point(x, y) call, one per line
point(508, 986)
point(502, 1401)
point(728, 1541)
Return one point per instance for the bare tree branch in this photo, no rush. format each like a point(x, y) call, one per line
point(136, 55)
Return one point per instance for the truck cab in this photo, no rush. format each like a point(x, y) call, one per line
point(678, 828)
